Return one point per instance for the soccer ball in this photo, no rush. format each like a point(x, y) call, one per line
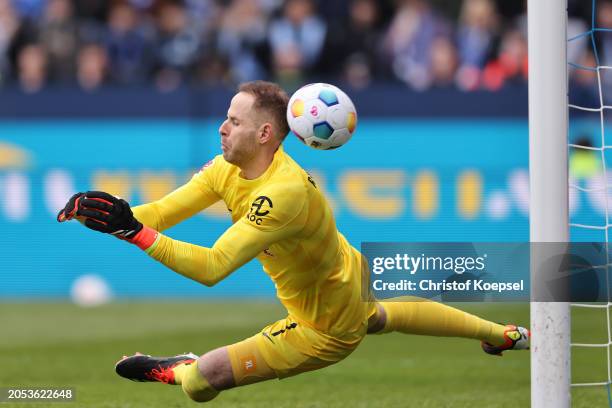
point(321, 116)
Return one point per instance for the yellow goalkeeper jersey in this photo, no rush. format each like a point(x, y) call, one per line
point(284, 221)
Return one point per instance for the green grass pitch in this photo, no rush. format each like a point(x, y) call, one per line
point(57, 344)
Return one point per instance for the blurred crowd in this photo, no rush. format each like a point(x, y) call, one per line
point(464, 44)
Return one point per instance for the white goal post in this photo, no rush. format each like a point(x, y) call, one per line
point(548, 175)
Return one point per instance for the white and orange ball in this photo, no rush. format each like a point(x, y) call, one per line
point(322, 116)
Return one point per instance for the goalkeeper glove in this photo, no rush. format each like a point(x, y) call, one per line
point(108, 214)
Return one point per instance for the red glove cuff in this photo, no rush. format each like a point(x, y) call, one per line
point(145, 238)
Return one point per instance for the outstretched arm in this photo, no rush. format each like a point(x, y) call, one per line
point(182, 203)
point(238, 245)
point(242, 242)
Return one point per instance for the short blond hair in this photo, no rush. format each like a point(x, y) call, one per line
point(272, 99)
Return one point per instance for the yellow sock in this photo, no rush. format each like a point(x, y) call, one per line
point(421, 316)
point(179, 372)
point(195, 385)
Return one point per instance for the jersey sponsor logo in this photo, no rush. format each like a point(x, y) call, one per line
point(259, 208)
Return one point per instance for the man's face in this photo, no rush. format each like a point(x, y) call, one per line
point(239, 131)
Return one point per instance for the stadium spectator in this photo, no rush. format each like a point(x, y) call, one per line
point(92, 63)
point(576, 48)
point(59, 35)
point(351, 50)
point(9, 23)
point(511, 62)
point(443, 61)
point(177, 45)
point(129, 50)
point(242, 40)
point(604, 39)
point(585, 75)
point(476, 36)
point(409, 39)
point(583, 84)
point(296, 39)
point(32, 68)
point(604, 45)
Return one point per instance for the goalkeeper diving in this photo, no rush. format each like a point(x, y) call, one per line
point(280, 217)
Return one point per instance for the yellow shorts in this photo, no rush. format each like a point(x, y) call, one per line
point(288, 348)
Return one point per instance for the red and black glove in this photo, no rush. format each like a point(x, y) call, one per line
point(106, 213)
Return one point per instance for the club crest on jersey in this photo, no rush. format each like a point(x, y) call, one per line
point(259, 208)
